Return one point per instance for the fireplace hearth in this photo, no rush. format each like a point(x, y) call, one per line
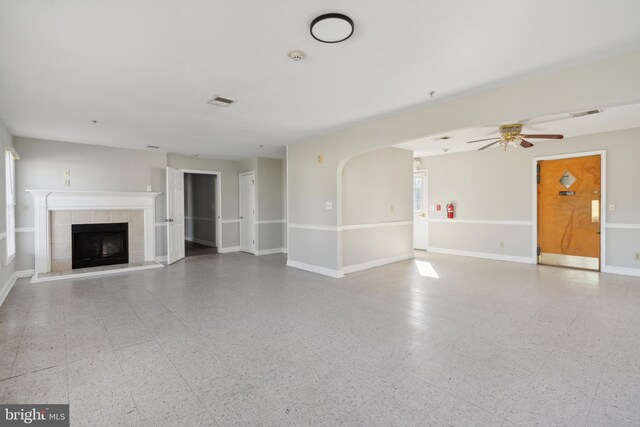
point(99, 244)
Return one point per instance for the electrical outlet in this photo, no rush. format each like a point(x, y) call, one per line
point(502, 244)
point(612, 207)
point(67, 182)
point(637, 256)
point(391, 209)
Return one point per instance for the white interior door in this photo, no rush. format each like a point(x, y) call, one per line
point(420, 210)
point(248, 212)
point(175, 215)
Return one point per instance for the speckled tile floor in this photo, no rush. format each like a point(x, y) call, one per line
point(238, 339)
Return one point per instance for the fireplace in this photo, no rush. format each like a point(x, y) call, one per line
point(99, 244)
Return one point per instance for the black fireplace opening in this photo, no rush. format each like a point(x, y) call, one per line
point(99, 244)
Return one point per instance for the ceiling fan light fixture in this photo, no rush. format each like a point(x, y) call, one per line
point(331, 28)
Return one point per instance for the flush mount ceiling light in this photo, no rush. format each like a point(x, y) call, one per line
point(331, 28)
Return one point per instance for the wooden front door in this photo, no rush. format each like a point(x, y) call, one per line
point(569, 212)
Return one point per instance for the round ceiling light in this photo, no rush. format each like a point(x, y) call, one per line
point(331, 28)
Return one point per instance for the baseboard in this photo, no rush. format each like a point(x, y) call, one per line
point(484, 255)
point(229, 249)
point(37, 279)
point(25, 273)
point(200, 241)
point(336, 274)
point(285, 250)
point(625, 271)
point(161, 258)
point(6, 288)
point(269, 251)
point(377, 263)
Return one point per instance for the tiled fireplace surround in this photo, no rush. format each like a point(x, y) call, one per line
point(61, 221)
point(56, 210)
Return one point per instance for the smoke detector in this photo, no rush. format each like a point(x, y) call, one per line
point(296, 55)
point(222, 101)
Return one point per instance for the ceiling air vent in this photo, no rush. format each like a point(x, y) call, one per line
point(155, 147)
point(222, 101)
point(585, 113)
point(441, 138)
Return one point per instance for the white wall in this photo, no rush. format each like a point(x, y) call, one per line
point(377, 209)
point(495, 185)
point(312, 184)
point(269, 197)
point(7, 272)
point(92, 167)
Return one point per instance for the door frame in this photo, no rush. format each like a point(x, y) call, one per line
point(425, 204)
point(218, 212)
point(255, 209)
point(603, 200)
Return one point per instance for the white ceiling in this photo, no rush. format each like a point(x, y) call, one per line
point(145, 69)
point(609, 119)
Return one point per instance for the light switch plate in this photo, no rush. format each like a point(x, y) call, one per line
point(329, 206)
point(612, 207)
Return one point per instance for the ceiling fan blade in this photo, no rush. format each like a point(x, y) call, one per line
point(544, 136)
point(478, 140)
point(487, 146)
point(525, 144)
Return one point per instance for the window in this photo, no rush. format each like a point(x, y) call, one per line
point(10, 157)
point(417, 193)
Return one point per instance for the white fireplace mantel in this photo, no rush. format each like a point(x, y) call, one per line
point(48, 200)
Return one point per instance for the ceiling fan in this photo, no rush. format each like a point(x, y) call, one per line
point(511, 134)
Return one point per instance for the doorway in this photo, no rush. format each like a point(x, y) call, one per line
point(247, 206)
point(200, 214)
point(569, 211)
point(420, 210)
point(177, 205)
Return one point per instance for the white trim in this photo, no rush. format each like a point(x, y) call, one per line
point(161, 224)
point(199, 218)
point(200, 241)
point(25, 273)
point(3, 235)
point(484, 255)
point(269, 251)
point(25, 229)
point(314, 227)
point(626, 271)
point(603, 200)
point(377, 263)
point(350, 227)
point(229, 249)
point(230, 221)
point(624, 226)
point(161, 258)
point(336, 274)
point(271, 221)
point(6, 288)
point(285, 250)
point(376, 225)
point(481, 221)
point(37, 279)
